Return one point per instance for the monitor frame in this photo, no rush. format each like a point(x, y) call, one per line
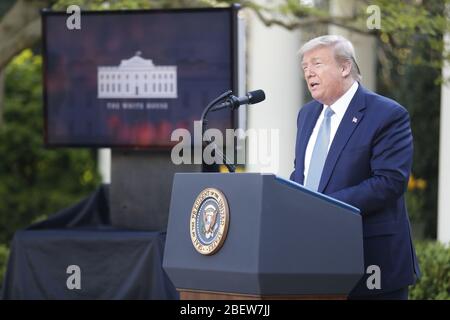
point(237, 117)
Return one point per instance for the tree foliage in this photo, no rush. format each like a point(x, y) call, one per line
point(35, 181)
point(415, 87)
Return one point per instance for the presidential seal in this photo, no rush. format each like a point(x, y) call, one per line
point(209, 221)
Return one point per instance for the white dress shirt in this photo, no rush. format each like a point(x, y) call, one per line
point(339, 108)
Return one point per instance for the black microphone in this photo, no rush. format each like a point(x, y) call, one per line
point(234, 102)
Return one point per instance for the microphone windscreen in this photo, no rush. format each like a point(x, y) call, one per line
point(256, 96)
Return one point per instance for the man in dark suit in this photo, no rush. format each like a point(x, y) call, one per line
point(356, 146)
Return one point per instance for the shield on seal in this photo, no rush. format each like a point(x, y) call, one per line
point(209, 220)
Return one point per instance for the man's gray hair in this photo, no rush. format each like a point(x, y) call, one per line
point(343, 51)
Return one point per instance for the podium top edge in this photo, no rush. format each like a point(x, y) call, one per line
point(319, 195)
point(226, 173)
point(289, 183)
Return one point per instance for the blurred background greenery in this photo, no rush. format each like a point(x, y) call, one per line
point(34, 181)
point(434, 261)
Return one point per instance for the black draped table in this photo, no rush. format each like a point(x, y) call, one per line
point(76, 254)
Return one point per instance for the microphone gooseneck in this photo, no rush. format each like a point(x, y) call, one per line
point(227, 100)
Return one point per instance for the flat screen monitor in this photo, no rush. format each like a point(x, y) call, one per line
point(127, 79)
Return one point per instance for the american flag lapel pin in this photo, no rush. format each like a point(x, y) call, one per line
point(355, 120)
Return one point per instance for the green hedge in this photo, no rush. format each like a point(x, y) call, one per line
point(4, 253)
point(434, 261)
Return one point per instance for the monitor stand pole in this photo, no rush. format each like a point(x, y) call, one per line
point(141, 185)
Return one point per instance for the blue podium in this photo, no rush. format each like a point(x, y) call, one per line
point(279, 241)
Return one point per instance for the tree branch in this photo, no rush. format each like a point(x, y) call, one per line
point(343, 22)
point(20, 28)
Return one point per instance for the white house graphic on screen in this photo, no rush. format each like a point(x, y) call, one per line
point(137, 78)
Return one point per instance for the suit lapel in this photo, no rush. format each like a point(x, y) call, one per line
point(305, 134)
point(352, 118)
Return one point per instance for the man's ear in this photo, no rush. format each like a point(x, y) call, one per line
point(346, 68)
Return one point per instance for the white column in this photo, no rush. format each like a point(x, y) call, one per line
point(104, 165)
point(365, 45)
point(443, 231)
point(273, 66)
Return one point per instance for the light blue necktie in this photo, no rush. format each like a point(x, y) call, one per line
point(320, 152)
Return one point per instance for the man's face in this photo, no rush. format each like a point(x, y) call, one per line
point(324, 75)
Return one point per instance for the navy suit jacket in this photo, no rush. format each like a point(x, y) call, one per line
point(368, 166)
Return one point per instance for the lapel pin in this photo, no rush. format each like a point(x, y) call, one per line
point(355, 120)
